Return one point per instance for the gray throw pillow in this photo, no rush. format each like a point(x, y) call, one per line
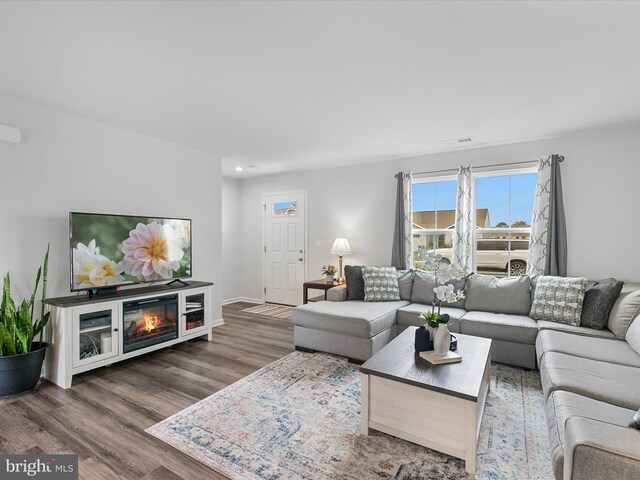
point(405, 283)
point(599, 298)
point(558, 299)
point(355, 282)
point(380, 284)
point(511, 295)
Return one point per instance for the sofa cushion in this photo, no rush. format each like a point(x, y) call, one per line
point(380, 284)
point(486, 293)
point(558, 299)
point(612, 350)
point(561, 327)
point(500, 326)
point(405, 284)
point(563, 405)
point(356, 318)
point(607, 382)
point(624, 310)
point(599, 298)
point(355, 282)
point(409, 315)
point(423, 285)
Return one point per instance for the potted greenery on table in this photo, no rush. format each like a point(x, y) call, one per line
point(329, 271)
point(20, 356)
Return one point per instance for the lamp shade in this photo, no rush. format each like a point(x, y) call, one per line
point(341, 247)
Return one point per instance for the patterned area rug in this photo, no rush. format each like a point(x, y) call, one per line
point(299, 418)
point(270, 310)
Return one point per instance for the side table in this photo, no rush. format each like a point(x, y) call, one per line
point(321, 284)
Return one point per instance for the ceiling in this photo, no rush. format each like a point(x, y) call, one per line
point(287, 86)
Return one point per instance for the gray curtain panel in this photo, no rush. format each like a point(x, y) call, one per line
point(548, 245)
point(402, 251)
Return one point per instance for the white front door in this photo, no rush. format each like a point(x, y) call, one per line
point(284, 247)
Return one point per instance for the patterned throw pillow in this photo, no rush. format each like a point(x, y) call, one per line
point(558, 299)
point(380, 284)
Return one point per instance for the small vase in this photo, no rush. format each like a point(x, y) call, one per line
point(423, 342)
point(442, 340)
point(329, 278)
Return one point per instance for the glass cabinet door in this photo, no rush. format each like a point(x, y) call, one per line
point(194, 312)
point(96, 333)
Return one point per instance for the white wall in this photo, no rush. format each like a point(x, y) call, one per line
point(600, 180)
point(231, 233)
point(68, 163)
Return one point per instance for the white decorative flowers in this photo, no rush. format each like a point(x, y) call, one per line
point(152, 252)
point(92, 269)
point(444, 274)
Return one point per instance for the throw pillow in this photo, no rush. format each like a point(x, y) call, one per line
point(380, 284)
point(599, 298)
point(558, 299)
point(624, 310)
point(355, 282)
point(486, 293)
point(405, 283)
point(635, 421)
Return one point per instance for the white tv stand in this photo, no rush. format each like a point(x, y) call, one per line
point(86, 333)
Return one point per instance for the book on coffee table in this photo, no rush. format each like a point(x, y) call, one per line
point(431, 357)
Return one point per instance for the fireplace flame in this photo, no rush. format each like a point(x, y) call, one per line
point(151, 322)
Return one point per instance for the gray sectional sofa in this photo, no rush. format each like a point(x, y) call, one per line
point(590, 378)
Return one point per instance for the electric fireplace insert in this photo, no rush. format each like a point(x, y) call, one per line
point(149, 322)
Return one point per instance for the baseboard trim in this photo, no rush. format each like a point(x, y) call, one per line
point(217, 322)
point(241, 299)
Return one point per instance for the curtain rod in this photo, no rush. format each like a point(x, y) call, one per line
point(448, 170)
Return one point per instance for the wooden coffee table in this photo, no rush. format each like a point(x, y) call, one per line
point(437, 406)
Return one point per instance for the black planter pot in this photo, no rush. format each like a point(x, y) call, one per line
point(20, 373)
point(423, 342)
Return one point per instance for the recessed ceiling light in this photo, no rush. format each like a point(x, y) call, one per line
point(239, 169)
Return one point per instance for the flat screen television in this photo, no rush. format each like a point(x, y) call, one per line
point(114, 250)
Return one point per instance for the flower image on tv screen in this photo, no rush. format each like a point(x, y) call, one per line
point(110, 250)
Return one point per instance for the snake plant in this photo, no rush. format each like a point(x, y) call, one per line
point(17, 329)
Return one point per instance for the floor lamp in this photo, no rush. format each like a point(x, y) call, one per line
point(341, 247)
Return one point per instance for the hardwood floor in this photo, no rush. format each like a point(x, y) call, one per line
point(102, 417)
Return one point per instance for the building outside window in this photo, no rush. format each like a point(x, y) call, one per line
point(503, 203)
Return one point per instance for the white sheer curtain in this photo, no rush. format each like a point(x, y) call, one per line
point(548, 244)
point(463, 236)
point(402, 252)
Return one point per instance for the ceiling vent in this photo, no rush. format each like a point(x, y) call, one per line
point(458, 141)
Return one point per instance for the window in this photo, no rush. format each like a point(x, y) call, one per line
point(434, 215)
point(504, 208)
point(503, 211)
point(285, 209)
